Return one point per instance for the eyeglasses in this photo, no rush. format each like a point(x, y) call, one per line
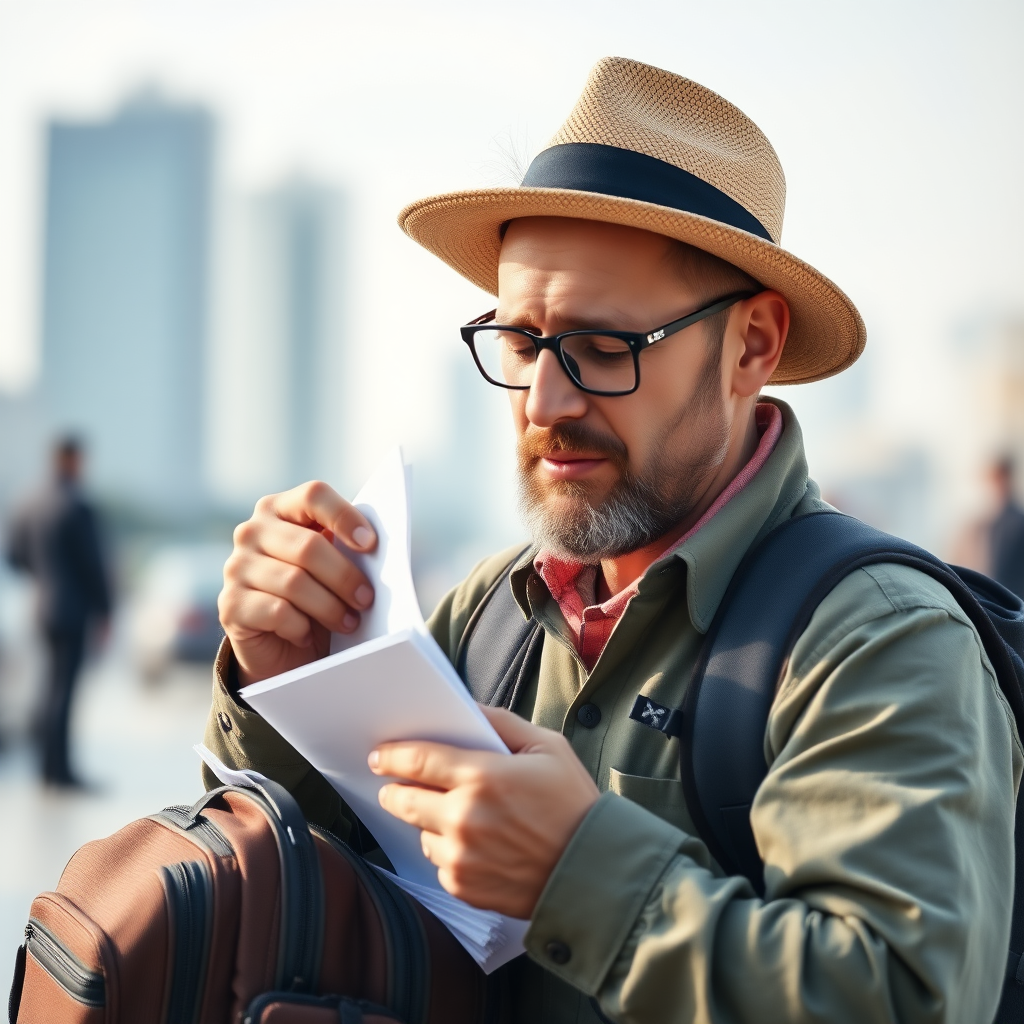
point(598, 362)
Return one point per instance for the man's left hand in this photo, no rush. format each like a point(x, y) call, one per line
point(494, 825)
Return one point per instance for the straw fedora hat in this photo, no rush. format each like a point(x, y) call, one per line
point(649, 149)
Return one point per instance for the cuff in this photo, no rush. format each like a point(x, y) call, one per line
point(598, 890)
point(240, 737)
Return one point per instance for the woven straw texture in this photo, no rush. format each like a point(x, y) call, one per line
point(642, 108)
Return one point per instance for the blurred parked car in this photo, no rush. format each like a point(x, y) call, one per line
point(174, 612)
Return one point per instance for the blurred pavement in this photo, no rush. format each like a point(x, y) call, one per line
point(131, 741)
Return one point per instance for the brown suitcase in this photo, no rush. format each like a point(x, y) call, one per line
point(236, 910)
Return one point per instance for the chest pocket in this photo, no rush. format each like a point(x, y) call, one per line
point(663, 797)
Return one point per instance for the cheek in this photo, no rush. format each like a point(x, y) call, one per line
point(517, 406)
point(669, 375)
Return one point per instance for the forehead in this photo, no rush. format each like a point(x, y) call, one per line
point(560, 259)
point(580, 254)
point(559, 243)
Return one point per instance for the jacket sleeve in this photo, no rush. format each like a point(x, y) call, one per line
point(885, 824)
point(19, 543)
point(243, 739)
point(90, 565)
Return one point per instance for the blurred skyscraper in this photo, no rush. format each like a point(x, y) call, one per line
point(278, 411)
point(301, 218)
point(125, 296)
point(464, 497)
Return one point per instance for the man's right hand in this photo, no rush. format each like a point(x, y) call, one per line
point(287, 587)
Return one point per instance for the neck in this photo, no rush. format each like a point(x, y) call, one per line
point(618, 573)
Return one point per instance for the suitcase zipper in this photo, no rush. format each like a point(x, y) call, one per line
point(82, 984)
point(409, 974)
point(189, 889)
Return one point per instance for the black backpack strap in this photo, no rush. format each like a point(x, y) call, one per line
point(768, 604)
point(499, 645)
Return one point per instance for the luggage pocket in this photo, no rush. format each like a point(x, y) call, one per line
point(663, 797)
point(298, 1008)
point(64, 976)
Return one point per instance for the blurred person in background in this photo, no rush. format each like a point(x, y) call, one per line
point(55, 539)
point(1006, 531)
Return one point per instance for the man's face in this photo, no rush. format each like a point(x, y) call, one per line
point(601, 476)
point(69, 465)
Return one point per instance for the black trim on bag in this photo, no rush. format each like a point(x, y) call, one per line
point(79, 981)
point(196, 827)
point(188, 887)
point(611, 171)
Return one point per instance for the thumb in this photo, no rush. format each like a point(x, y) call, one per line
point(519, 735)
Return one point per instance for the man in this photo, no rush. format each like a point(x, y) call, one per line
point(648, 468)
point(1006, 531)
point(55, 538)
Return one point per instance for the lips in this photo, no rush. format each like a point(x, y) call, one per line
point(564, 465)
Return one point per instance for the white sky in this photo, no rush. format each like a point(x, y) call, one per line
point(898, 124)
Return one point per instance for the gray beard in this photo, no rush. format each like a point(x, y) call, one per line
point(645, 504)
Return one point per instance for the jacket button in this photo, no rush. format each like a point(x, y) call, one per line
point(588, 715)
point(225, 722)
point(558, 952)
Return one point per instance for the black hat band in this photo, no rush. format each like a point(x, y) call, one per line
point(611, 171)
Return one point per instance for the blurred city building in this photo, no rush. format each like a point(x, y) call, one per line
point(22, 421)
point(280, 359)
point(464, 493)
point(125, 296)
point(988, 349)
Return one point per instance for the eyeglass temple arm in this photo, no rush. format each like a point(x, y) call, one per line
point(484, 318)
point(700, 314)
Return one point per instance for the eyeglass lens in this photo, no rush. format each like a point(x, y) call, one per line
point(597, 361)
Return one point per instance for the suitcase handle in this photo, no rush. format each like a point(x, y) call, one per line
point(280, 801)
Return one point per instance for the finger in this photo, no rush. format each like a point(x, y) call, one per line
point(437, 848)
point(245, 613)
point(518, 734)
point(432, 764)
point(316, 504)
point(414, 805)
point(311, 551)
point(281, 579)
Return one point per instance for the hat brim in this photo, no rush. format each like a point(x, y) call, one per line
point(463, 229)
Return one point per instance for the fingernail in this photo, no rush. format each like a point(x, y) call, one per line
point(374, 759)
point(363, 596)
point(350, 621)
point(362, 537)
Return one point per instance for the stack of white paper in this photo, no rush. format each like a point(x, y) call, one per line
point(388, 681)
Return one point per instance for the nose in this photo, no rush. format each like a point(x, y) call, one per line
point(553, 396)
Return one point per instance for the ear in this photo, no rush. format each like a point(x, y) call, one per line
point(755, 337)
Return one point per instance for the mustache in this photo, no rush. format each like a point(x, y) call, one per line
point(570, 436)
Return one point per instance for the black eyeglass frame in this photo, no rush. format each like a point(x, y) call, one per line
point(636, 340)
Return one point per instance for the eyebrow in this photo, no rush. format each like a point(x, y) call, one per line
point(527, 322)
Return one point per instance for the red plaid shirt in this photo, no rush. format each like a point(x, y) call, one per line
point(574, 585)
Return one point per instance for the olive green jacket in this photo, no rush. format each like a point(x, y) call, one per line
point(885, 821)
